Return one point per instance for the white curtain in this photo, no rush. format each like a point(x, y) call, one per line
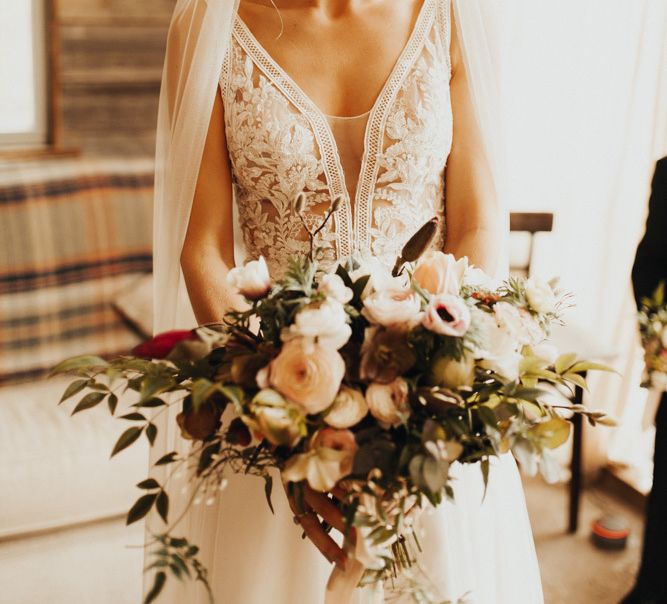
point(585, 110)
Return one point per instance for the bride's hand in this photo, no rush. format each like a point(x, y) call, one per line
point(320, 505)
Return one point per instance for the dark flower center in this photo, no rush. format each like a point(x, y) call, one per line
point(445, 315)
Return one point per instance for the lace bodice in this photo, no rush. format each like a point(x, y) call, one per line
point(280, 144)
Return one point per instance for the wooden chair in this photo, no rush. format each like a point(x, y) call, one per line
point(542, 222)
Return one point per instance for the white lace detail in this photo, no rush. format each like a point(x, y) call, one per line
point(280, 144)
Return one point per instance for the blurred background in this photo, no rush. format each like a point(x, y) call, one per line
point(585, 118)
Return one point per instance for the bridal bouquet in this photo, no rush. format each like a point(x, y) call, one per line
point(653, 330)
point(367, 381)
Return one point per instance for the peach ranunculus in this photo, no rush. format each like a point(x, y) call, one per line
point(392, 307)
point(440, 273)
point(447, 315)
point(308, 374)
point(330, 458)
point(348, 409)
point(389, 403)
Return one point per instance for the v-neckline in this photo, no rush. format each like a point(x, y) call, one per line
point(351, 237)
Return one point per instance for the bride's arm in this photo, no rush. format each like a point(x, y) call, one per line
point(208, 250)
point(473, 217)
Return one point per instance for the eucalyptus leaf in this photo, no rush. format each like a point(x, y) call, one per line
point(167, 459)
point(83, 362)
point(268, 488)
point(156, 589)
point(74, 388)
point(140, 508)
point(112, 402)
point(126, 439)
point(89, 401)
point(151, 433)
point(162, 505)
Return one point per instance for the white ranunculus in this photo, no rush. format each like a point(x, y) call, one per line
point(325, 321)
point(500, 352)
point(389, 403)
point(546, 352)
point(476, 277)
point(380, 275)
point(348, 409)
point(519, 323)
point(252, 280)
point(392, 306)
point(540, 295)
point(332, 286)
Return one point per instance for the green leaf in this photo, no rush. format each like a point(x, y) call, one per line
point(577, 379)
point(92, 399)
point(360, 285)
point(162, 505)
point(112, 401)
point(235, 395)
point(201, 390)
point(126, 439)
point(158, 584)
point(589, 366)
point(487, 416)
point(150, 403)
point(79, 363)
point(485, 465)
point(140, 508)
point(74, 388)
point(565, 361)
point(151, 433)
point(554, 432)
point(167, 459)
point(268, 488)
point(148, 484)
point(134, 417)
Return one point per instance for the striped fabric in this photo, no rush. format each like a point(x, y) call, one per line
point(74, 235)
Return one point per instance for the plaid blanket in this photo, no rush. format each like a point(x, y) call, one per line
point(74, 235)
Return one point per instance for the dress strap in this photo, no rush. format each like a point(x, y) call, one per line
point(444, 24)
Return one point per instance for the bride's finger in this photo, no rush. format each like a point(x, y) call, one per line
point(325, 508)
point(322, 541)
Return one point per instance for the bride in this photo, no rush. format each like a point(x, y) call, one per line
point(380, 102)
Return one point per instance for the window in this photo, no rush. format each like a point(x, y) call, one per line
point(23, 90)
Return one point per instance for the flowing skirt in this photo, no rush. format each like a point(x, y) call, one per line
point(478, 549)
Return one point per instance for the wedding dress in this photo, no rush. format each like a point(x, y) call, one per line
point(388, 165)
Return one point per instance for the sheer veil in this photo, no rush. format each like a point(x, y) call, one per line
point(198, 38)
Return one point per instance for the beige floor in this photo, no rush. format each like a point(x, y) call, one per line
point(94, 565)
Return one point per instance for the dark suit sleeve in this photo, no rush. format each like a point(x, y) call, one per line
point(650, 265)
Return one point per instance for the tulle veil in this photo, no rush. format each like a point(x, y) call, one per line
point(198, 38)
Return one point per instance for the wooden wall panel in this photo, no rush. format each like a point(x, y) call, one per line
point(111, 54)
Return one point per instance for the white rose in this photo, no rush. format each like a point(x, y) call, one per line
point(518, 322)
point(392, 306)
point(252, 280)
point(389, 403)
point(540, 295)
point(325, 321)
point(332, 286)
point(348, 409)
